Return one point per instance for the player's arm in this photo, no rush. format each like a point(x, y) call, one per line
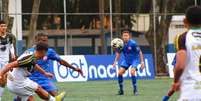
point(8, 67)
point(180, 60)
point(66, 64)
point(180, 64)
point(54, 56)
point(117, 56)
point(12, 47)
point(12, 53)
point(141, 59)
point(138, 50)
point(42, 71)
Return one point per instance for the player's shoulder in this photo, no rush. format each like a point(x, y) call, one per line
point(26, 55)
point(50, 50)
point(11, 35)
point(181, 35)
point(132, 42)
point(31, 49)
point(180, 40)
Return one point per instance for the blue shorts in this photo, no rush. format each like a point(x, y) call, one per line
point(46, 84)
point(126, 65)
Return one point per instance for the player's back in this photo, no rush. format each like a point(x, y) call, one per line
point(26, 67)
point(193, 48)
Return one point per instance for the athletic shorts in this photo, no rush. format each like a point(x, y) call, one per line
point(126, 65)
point(23, 89)
point(46, 84)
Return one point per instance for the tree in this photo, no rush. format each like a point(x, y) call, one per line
point(33, 22)
point(162, 25)
point(102, 32)
point(117, 18)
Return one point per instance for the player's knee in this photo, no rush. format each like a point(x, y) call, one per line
point(31, 98)
point(38, 89)
point(53, 93)
point(120, 73)
point(133, 73)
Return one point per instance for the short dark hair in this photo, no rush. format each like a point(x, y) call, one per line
point(125, 31)
point(41, 46)
point(2, 22)
point(40, 34)
point(193, 15)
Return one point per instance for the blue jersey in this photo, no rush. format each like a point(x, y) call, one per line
point(44, 63)
point(131, 51)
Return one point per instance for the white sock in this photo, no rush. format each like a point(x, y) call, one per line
point(1, 92)
point(51, 98)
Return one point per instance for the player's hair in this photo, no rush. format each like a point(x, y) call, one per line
point(2, 22)
point(40, 34)
point(125, 31)
point(41, 46)
point(193, 15)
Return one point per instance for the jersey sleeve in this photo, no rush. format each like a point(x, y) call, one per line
point(180, 41)
point(26, 61)
point(51, 54)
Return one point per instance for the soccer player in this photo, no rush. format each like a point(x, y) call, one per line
point(18, 81)
point(188, 58)
point(132, 57)
point(36, 76)
point(7, 51)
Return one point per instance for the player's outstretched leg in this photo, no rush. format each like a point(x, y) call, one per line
point(46, 96)
point(134, 81)
point(120, 81)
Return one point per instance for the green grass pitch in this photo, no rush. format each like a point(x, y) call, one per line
point(149, 90)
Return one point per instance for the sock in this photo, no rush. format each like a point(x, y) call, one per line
point(165, 98)
point(134, 82)
point(1, 92)
point(15, 99)
point(51, 98)
point(120, 81)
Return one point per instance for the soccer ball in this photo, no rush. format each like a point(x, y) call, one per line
point(117, 43)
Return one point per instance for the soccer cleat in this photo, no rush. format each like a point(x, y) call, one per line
point(135, 93)
point(165, 98)
point(60, 97)
point(120, 92)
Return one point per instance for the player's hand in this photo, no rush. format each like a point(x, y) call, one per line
point(142, 65)
point(79, 71)
point(176, 86)
point(114, 65)
point(49, 75)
